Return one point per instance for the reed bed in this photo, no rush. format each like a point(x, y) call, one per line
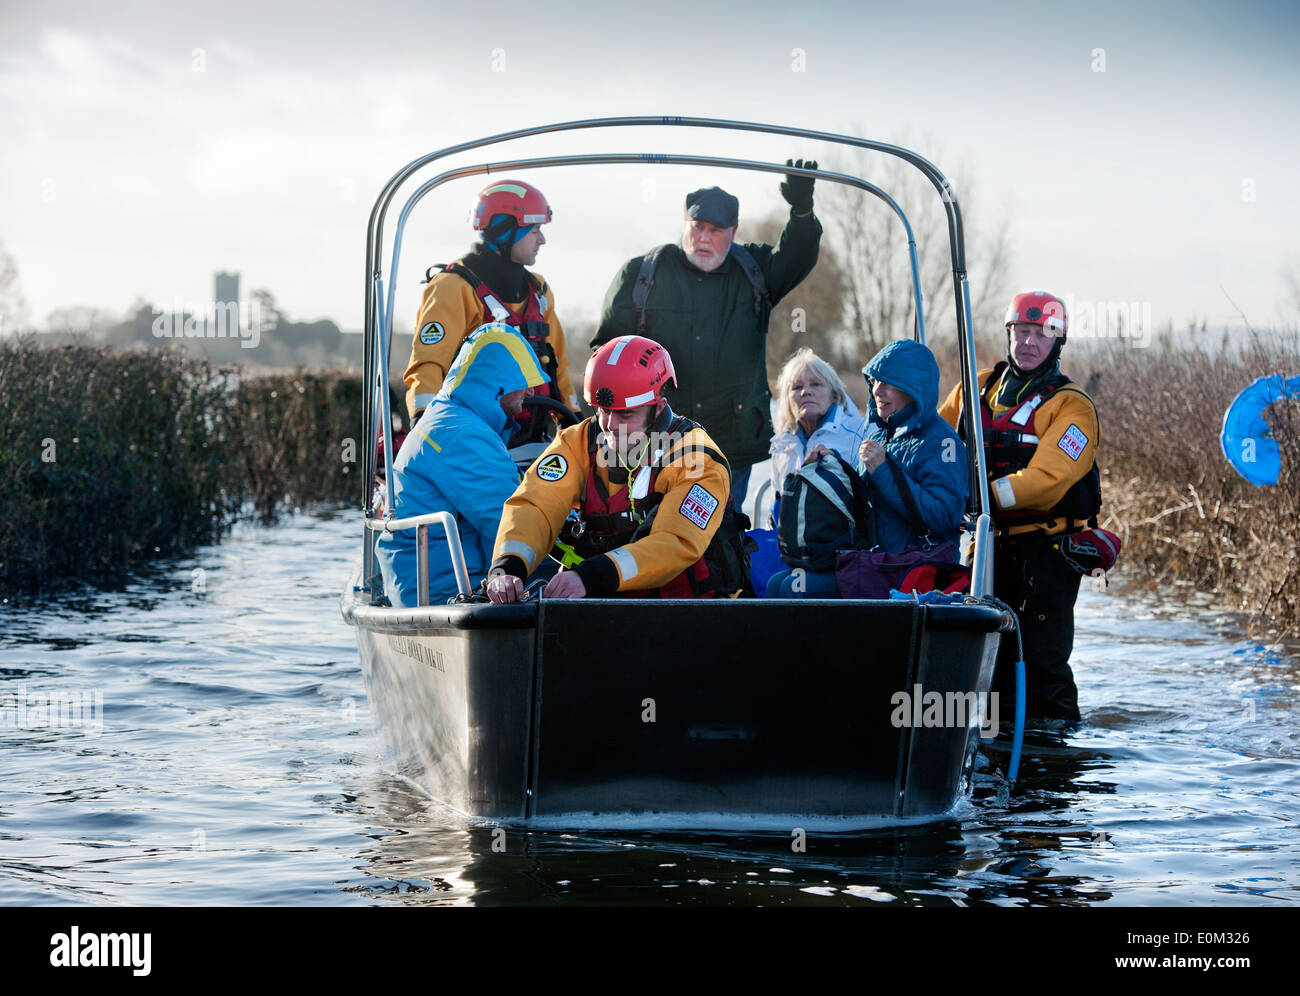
point(1185, 515)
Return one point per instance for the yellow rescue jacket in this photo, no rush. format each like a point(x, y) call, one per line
point(1068, 432)
point(695, 485)
point(449, 311)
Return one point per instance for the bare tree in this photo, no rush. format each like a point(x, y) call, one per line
point(871, 242)
point(269, 312)
point(812, 314)
point(78, 320)
point(13, 308)
point(1292, 278)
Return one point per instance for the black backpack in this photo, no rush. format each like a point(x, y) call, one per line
point(825, 508)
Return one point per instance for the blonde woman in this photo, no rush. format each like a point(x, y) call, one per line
point(813, 409)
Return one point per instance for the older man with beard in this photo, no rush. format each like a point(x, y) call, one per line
point(707, 299)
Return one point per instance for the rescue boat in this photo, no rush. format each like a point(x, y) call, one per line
point(684, 713)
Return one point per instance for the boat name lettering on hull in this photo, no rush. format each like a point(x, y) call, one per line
point(418, 652)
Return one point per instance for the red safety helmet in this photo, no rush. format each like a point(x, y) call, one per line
point(1038, 308)
point(627, 372)
point(522, 201)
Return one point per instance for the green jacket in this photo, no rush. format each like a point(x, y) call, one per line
point(707, 323)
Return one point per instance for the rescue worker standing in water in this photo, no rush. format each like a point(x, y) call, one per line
point(490, 284)
point(650, 489)
point(1040, 442)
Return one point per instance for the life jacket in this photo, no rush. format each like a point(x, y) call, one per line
point(1009, 446)
point(609, 521)
point(645, 279)
point(532, 323)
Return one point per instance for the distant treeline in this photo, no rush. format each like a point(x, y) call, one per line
point(109, 458)
point(255, 333)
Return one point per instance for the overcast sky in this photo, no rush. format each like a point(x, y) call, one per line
point(1140, 156)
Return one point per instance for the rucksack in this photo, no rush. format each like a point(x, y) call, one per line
point(825, 507)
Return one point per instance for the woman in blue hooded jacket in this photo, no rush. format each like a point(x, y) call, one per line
point(904, 426)
point(455, 460)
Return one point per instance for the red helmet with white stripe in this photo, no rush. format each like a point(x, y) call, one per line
point(1038, 308)
point(627, 372)
point(522, 201)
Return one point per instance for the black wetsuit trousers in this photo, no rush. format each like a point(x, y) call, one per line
point(1034, 579)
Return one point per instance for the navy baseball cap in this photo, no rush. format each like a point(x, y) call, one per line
point(714, 205)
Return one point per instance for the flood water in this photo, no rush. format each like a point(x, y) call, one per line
point(211, 744)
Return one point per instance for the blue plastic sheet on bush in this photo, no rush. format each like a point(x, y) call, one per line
point(1247, 439)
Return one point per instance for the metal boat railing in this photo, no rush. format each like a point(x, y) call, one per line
point(380, 305)
point(421, 524)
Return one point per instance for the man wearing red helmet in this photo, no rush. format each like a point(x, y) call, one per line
point(650, 489)
point(490, 284)
point(1040, 444)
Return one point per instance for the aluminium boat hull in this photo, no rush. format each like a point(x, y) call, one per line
point(699, 710)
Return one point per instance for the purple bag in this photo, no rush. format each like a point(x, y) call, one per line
point(874, 573)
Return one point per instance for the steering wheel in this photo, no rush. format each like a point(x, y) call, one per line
point(562, 412)
point(548, 418)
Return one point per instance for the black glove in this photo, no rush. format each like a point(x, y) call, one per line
point(798, 190)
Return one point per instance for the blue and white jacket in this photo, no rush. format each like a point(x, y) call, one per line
point(455, 460)
point(840, 430)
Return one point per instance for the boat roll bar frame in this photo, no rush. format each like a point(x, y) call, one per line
point(421, 524)
point(380, 305)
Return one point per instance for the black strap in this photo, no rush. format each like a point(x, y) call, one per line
point(1011, 437)
point(471, 278)
point(762, 300)
point(913, 513)
point(645, 279)
point(994, 374)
